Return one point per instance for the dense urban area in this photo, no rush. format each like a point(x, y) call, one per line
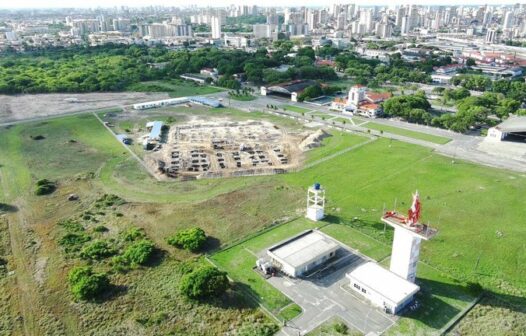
point(250, 170)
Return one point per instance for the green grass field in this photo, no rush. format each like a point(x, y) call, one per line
point(479, 211)
point(175, 88)
point(408, 133)
point(247, 97)
point(294, 108)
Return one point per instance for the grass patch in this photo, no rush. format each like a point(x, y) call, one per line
point(290, 312)
point(175, 88)
point(246, 97)
point(408, 133)
point(335, 326)
point(357, 240)
point(294, 108)
point(338, 141)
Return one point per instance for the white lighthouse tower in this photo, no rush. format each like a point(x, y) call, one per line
point(407, 237)
point(315, 202)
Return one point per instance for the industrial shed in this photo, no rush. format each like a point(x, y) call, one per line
point(511, 129)
point(381, 287)
point(289, 89)
point(302, 253)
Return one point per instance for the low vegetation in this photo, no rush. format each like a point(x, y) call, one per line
point(45, 187)
point(86, 284)
point(190, 239)
point(204, 283)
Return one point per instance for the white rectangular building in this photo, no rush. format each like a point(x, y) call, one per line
point(303, 252)
point(381, 287)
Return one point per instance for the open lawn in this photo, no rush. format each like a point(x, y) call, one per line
point(175, 88)
point(337, 141)
point(479, 212)
point(294, 108)
point(243, 97)
point(408, 133)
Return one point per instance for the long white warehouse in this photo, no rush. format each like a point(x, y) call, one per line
point(382, 287)
point(302, 253)
point(161, 103)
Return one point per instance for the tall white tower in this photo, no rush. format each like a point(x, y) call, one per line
point(356, 95)
point(407, 237)
point(315, 202)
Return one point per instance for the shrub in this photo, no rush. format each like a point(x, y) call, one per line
point(110, 200)
point(71, 225)
point(190, 239)
point(85, 284)
point(204, 282)
point(139, 252)
point(341, 328)
point(97, 250)
point(45, 187)
point(120, 264)
point(133, 234)
point(72, 241)
point(100, 228)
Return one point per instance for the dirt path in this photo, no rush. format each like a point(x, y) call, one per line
point(27, 296)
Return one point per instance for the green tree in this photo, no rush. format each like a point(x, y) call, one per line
point(97, 250)
point(204, 282)
point(86, 284)
point(191, 239)
point(139, 252)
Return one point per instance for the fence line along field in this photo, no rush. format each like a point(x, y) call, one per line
point(477, 210)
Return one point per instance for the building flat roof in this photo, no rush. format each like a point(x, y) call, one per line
point(384, 282)
point(513, 124)
point(303, 248)
point(157, 127)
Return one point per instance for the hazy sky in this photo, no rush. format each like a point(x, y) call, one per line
point(140, 3)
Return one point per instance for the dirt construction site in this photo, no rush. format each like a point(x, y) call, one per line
point(222, 148)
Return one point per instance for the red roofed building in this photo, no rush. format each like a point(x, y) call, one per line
point(362, 102)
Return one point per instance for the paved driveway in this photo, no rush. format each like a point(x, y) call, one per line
point(324, 295)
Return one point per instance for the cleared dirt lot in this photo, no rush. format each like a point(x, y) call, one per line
point(19, 107)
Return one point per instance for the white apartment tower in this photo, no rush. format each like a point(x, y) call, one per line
point(216, 27)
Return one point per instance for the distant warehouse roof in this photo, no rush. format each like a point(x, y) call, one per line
point(293, 86)
point(513, 124)
point(205, 101)
point(155, 133)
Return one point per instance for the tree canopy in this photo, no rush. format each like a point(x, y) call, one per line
point(190, 239)
point(204, 282)
point(85, 284)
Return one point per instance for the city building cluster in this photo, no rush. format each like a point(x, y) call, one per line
point(247, 26)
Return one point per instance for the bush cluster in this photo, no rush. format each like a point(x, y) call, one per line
point(190, 239)
point(204, 282)
point(45, 187)
point(85, 284)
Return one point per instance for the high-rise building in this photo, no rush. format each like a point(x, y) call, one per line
point(404, 30)
point(400, 13)
point(508, 20)
point(491, 36)
point(263, 30)
point(216, 27)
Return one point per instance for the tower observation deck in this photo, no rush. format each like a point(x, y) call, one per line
point(409, 232)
